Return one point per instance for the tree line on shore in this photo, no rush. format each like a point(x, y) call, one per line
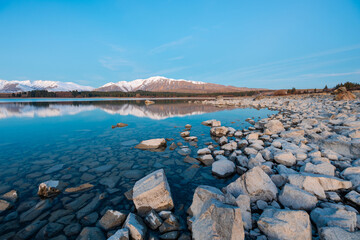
point(146, 94)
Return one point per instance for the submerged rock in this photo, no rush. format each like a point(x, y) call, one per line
point(152, 192)
point(119, 125)
point(91, 233)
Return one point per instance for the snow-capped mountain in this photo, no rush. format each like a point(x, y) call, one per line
point(52, 86)
point(163, 84)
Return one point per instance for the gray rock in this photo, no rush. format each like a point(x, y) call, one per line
point(243, 202)
point(218, 220)
point(136, 227)
point(285, 158)
point(94, 204)
point(336, 233)
point(121, 234)
point(153, 220)
point(332, 217)
point(55, 168)
point(295, 198)
point(111, 220)
point(255, 183)
point(285, 224)
point(91, 233)
point(207, 159)
point(49, 230)
point(30, 230)
point(72, 229)
point(35, 211)
point(223, 168)
point(354, 197)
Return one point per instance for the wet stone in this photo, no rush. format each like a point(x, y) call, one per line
point(72, 229)
point(153, 220)
point(30, 230)
point(49, 230)
point(91, 233)
point(89, 219)
point(111, 220)
point(55, 168)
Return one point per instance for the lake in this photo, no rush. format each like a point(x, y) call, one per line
point(73, 141)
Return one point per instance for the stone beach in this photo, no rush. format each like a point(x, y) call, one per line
point(292, 175)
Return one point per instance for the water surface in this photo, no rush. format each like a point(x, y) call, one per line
point(36, 136)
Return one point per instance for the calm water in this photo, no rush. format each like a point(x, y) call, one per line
point(35, 136)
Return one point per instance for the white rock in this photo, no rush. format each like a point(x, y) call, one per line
point(121, 234)
point(274, 126)
point(152, 192)
point(231, 146)
point(219, 131)
point(285, 158)
point(152, 144)
point(204, 151)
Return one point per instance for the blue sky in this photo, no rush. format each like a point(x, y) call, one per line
point(272, 44)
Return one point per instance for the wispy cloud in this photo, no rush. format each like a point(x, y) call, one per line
point(116, 48)
point(168, 45)
point(115, 63)
point(318, 75)
point(271, 70)
point(176, 58)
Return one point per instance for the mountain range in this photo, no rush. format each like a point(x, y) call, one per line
point(152, 84)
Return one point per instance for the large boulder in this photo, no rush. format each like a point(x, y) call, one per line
point(295, 198)
point(295, 133)
point(255, 183)
point(152, 144)
point(152, 192)
point(274, 126)
point(243, 202)
point(285, 224)
point(218, 221)
point(203, 194)
point(332, 217)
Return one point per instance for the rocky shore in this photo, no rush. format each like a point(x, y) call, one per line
point(296, 175)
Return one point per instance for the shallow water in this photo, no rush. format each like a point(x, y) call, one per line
point(35, 136)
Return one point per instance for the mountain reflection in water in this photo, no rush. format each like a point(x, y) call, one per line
point(162, 109)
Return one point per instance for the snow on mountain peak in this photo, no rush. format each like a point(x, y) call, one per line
point(27, 85)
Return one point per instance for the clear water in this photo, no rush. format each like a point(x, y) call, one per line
point(37, 135)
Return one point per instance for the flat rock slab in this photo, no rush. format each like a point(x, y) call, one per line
point(152, 144)
point(55, 168)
